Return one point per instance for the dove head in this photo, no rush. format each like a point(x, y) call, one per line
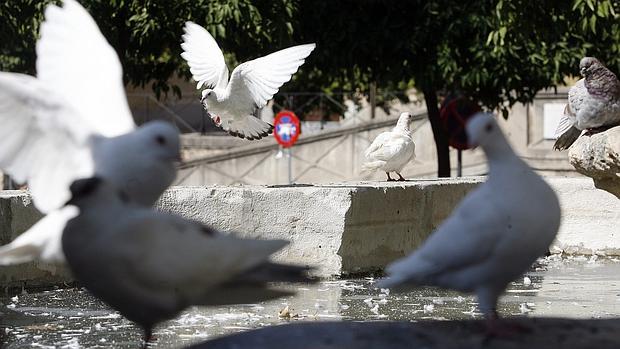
point(160, 140)
point(404, 121)
point(208, 95)
point(483, 130)
point(588, 66)
point(93, 189)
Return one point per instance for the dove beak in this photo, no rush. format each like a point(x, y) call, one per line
point(582, 71)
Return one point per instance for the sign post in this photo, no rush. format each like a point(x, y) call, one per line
point(287, 130)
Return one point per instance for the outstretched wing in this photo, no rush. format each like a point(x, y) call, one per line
point(204, 57)
point(75, 61)
point(253, 83)
point(43, 141)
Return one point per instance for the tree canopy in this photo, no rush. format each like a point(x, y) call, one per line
point(147, 34)
point(495, 51)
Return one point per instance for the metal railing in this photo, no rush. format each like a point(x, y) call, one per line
point(188, 115)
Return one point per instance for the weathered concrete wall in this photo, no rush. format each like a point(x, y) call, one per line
point(590, 218)
point(342, 227)
point(17, 214)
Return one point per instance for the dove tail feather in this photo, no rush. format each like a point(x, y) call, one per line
point(250, 128)
point(241, 295)
point(372, 166)
point(276, 272)
point(567, 138)
point(392, 282)
point(10, 254)
point(252, 286)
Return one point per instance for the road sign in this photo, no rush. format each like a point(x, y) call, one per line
point(287, 128)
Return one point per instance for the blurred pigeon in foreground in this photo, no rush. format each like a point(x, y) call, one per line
point(73, 121)
point(391, 150)
point(150, 265)
point(231, 104)
point(495, 233)
point(593, 103)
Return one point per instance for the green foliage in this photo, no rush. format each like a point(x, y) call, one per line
point(537, 44)
point(147, 33)
point(500, 52)
point(19, 27)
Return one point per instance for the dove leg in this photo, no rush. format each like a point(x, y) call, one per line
point(389, 178)
point(487, 301)
point(496, 327)
point(148, 337)
point(501, 328)
point(401, 178)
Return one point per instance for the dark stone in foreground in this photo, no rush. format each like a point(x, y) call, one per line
point(545, 333)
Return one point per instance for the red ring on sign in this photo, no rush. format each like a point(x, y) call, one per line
point(286, 128)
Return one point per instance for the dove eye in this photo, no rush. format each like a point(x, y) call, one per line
point(161, 140)
point(488, 128)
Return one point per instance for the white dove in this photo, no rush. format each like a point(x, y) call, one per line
point(391, 150)
point(73, 121)
point(593, 103)
point(157, 264)
point(493, 235)
point(231, 104)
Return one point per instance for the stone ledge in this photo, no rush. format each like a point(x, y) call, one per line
point(598, 156)
point(545, 333)
point(341, 228)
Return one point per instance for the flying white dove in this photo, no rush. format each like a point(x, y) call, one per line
point(391, 150)
point(157, 264)
point(231, 104)
point(493, 235)
point(593, 103)
point(73, 121)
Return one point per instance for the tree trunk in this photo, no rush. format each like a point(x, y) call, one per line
point(373, 99)
point(441, 139)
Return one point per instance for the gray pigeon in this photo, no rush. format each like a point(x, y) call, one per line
point(493, 235)
point(593, 103)
point(73, 121)
point(150, 265)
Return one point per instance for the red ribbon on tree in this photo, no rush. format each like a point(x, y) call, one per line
point(455, 110)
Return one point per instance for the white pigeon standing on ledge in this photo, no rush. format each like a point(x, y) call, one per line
point(391, 150)
point(593, 103)
point(73, 121)
point(493, 236)
point(232, 104)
